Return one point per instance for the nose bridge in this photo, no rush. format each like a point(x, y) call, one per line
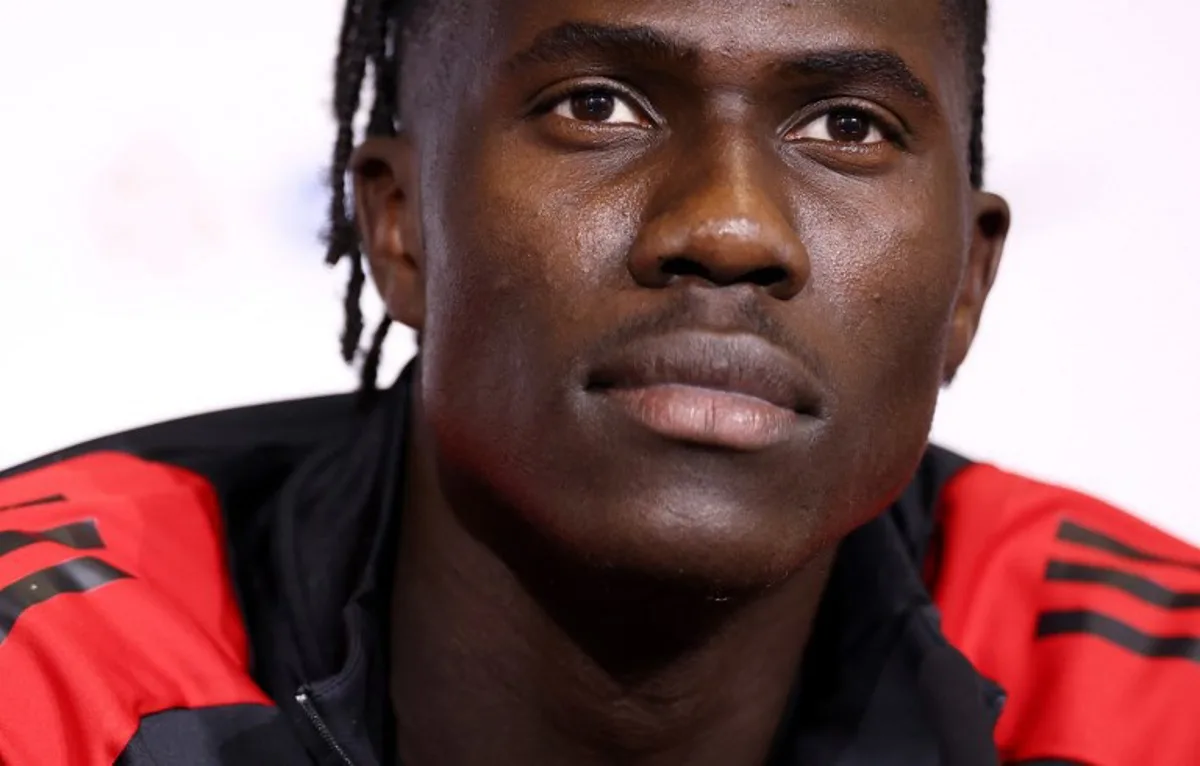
point(733, 185)
point(722, 217)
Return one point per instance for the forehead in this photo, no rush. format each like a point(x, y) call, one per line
point(732, 40)
point(744, 29)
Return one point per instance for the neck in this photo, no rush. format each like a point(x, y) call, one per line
point(493, 665)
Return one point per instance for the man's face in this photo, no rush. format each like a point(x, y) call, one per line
point(688, 273)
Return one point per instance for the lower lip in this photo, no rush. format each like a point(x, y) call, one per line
point(706, 416)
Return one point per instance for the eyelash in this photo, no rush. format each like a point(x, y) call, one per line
point(888, 127)
point(549, 103)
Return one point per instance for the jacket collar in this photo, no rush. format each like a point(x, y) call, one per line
point(880, 685)
point(321, 614)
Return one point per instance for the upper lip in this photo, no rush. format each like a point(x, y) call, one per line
point(735, 363)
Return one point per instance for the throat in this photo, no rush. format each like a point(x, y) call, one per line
point(586, 672)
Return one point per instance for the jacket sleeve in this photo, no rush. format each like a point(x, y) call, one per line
point(228, 735)
point(115, 605)
point(1088, 617)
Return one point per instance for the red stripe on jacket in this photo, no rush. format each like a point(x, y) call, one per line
point(81, 669)
point(1078, 695)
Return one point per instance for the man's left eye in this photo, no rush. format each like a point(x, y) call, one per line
point(602, 107)
point(843, 126)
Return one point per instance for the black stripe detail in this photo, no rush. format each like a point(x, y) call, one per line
point(1071, 532)
point(81, 535)
point(1138, 587)
point(76, 576)
point(48, 500)
point(1117, 632)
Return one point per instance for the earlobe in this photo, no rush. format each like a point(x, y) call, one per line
point(991, 222)
point(386, 205)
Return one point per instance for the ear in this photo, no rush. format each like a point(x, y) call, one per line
point(991, 219)
point(388, 213)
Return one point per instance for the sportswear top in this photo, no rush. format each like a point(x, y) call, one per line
point(209, 591)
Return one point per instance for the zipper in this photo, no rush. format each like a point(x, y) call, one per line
point(318, 723)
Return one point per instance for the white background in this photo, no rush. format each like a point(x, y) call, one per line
point(160, 197)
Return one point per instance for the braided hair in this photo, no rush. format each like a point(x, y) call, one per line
point(368, 39)
point(971, 18)
point(371, 36)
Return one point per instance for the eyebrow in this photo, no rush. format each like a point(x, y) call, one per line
point(575, 40)
point(880, 66)
point(572, 41)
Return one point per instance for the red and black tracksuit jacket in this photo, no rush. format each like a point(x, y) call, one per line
point(214, 591)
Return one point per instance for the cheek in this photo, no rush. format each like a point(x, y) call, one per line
point(527, 246)
point(518, 261)
point(887, 270)
point(886, 274)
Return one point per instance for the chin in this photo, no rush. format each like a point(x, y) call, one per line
point(704, 534)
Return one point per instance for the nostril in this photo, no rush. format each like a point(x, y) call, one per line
point(768, 276)
point(685, 267)
point(682, 266)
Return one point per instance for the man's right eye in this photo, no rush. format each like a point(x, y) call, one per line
point(600, 107)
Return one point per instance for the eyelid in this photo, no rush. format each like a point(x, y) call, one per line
point(893, 128)
point(546, 101)
point(636, 118)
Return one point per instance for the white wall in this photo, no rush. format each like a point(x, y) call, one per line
point(160, 197)
point(1087, 370)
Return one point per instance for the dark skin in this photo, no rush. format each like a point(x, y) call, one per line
point(599, 564)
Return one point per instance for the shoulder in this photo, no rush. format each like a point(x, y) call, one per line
point(114, 604)
point(1088, 616)
point(215, 444)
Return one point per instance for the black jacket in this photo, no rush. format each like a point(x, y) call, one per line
point(302, 503)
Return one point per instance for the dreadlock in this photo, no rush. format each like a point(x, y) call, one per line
point(971, 18)
point(370, 38)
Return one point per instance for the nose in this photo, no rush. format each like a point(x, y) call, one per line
point(721, 222)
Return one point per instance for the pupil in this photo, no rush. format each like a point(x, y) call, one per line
point(849, 126)
point(596, 106)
